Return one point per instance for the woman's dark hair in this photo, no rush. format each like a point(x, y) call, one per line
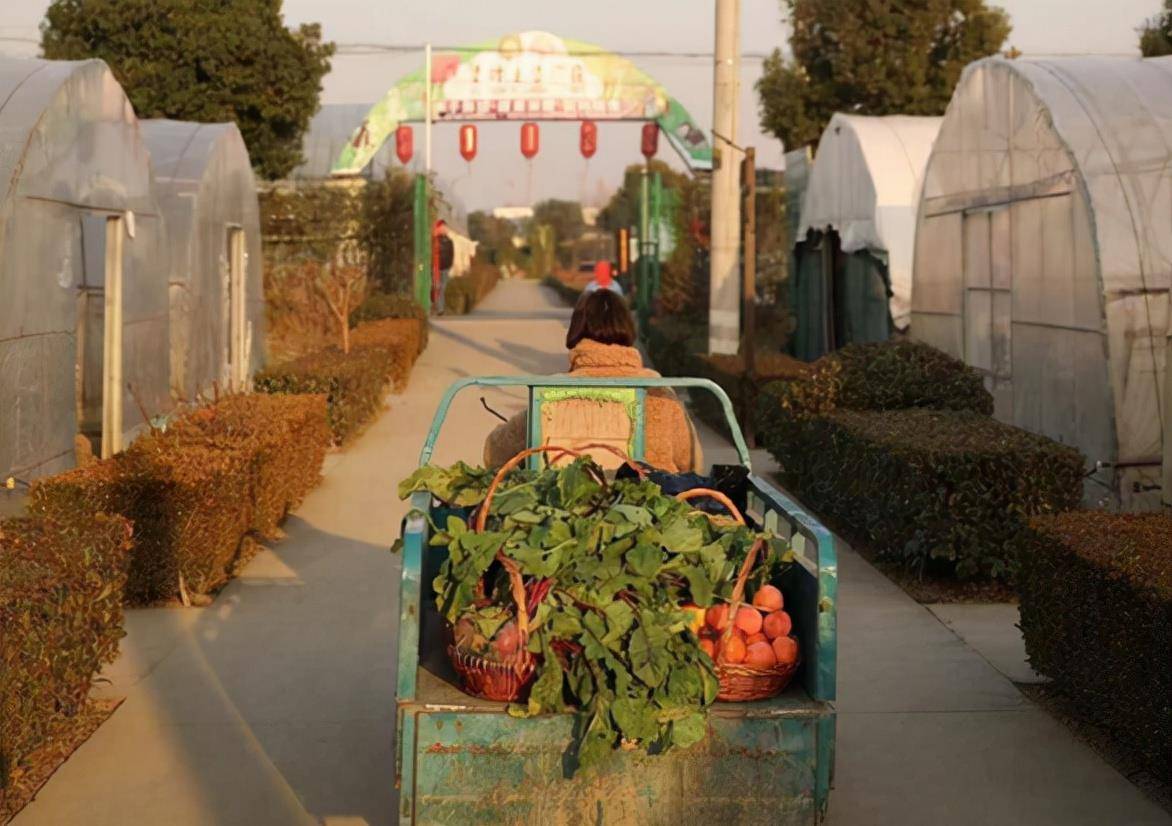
point(601, 316)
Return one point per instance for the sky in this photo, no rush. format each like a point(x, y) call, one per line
point(499, 175)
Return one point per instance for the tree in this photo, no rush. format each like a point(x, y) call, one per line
point(1155, 37)
point(876, 58)
point(206, 61)
point(622, 210)
point(564, 216)
point(493, 235)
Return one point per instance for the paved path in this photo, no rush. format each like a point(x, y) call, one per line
point(275, 704)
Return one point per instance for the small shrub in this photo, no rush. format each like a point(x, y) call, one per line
point(378, 306)
point(190, 505)
point(464, 292)
point(888, 375)
point(352, 383)
point(401, 338)
point(60, 621)
point(1096, 613)
point(566, 293)
point(943, 490)
point(286, 437)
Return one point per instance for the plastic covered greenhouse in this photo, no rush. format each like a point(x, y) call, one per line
point(85, 310)
point(854, 243)
point(1044, 254)
point(207, 194)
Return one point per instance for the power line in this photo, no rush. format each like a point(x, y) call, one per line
point(406, 48)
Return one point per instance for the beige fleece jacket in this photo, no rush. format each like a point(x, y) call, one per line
point(670, 438)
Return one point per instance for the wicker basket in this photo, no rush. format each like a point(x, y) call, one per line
point(503, 681)
point(741, 683)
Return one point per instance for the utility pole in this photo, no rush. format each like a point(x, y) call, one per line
point(723, 315)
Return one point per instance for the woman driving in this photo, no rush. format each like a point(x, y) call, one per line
point(601, 341)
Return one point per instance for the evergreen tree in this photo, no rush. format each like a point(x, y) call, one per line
point(206, 61)
point(883, 57)
point(1155, 37)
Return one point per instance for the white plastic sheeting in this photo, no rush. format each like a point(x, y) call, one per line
point(865, 184)
point(1044, 253)
point(207, 193)
point(72, 159)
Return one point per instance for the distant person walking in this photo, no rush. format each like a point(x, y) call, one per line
point(443, 254)
point(603, 279)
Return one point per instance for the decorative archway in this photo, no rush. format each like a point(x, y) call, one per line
point(528, 76)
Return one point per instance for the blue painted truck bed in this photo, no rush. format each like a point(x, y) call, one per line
point(463, 760)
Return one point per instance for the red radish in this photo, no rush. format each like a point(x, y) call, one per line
point(768, 598)
point(507, 640)
point(786, 650)
point(709, 648)
point(752, 638)
point(748, 620)
point(760, 654)
point(777, 624)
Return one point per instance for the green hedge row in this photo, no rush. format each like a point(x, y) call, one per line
point(945, 491)
point(1096, 613)
point(60, 621)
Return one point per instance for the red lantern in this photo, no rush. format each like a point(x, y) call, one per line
point(468, 141)
point(588, 138)
point(650, 142)
point(530, 139)
point(404, 143)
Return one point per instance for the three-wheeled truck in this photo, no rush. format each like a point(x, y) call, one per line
point(464, 760)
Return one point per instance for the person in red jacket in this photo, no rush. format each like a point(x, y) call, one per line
point(443, 253)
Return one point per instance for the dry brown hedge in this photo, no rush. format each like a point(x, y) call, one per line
point(402, 338)
point(353, 384)
point(286, 437)
point(60, 621)
point(190, 506)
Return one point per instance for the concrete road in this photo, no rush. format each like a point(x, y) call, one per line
point(275, 704)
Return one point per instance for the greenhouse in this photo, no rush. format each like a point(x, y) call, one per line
point(207, 195)
point(854, 242)
point(1044, 255)
point(85, 311)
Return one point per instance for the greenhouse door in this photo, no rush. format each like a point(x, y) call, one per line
point(99, 333)
point(235, 350)
point(988, 303)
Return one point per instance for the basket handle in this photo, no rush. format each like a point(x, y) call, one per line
point(517, 590)
point(697, 493)
point(738, 594)
point(581, 449)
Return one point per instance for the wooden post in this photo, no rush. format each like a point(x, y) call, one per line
point(749, 292)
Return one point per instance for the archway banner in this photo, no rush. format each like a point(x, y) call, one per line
point(528, 76)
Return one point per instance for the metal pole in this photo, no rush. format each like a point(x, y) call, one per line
point(749, 285)
point(724, 320)
point(644, 245)
point(749, 293)
point(427, 108)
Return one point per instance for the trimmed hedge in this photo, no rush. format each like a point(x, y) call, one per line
point(888, 375)
point(353, 384)
point(402, 339)
point(379, 306)
point(60, 621)
point(1096, 613)
point(285, 436)
point(190, 504)
point(566, 293)
point(946, 491)
point(464, 292)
